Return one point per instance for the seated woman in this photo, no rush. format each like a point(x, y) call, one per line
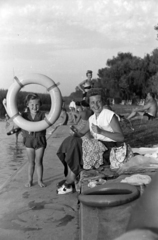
point(103, 126)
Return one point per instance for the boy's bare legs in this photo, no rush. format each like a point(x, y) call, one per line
point(39, 163)
point(31, 167)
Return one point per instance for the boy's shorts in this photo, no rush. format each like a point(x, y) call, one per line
point(35, 143)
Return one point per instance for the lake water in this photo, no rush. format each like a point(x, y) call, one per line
point(12, 155)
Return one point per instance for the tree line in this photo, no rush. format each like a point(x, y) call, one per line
point(127, 77)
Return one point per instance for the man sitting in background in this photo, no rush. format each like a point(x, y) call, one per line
point(147, 112)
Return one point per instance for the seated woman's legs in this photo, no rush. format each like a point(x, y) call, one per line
point(70, 154)
point(70, 178)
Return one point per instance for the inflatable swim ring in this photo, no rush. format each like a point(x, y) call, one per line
point(56, 101)
point(109, 195)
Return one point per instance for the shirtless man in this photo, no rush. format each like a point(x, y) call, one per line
point(86, 85)
point(147, 112)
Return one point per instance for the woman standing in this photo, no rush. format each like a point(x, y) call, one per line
point(86, 85)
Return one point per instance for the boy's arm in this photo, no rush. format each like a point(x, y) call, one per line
point(76, 117)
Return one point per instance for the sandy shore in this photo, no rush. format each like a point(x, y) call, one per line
point(39, 213)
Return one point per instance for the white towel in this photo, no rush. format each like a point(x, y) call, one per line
point(137, 179)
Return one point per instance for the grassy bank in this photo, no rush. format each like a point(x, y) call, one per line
point(145, 133)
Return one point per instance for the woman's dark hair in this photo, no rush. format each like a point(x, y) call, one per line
point(88, 71)
point(78, 104)
point(84, 103)
point(32, 96)
point(97, 91)
point(152, 94)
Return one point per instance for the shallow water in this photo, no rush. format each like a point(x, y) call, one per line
point(12, 155)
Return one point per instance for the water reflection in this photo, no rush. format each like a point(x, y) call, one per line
point(12, 154)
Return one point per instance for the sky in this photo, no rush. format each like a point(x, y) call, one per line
point(62, 39)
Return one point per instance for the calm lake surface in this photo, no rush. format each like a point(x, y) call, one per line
point(12, 155)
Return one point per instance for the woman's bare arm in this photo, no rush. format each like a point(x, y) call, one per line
point(80, 86)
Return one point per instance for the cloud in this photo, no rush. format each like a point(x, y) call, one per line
point(82, 24)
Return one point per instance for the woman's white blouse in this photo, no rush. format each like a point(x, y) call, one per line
point(103, 122)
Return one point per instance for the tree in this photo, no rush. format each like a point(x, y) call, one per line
point(153, 86)
point(126, 75)
point(156, 28)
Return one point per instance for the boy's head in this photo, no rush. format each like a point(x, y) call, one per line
point(32, 96)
